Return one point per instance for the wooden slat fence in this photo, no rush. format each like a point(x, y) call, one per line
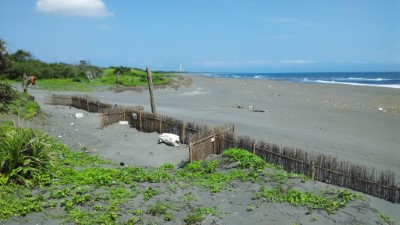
point(110, 113)
point(55, 99)
point(149, 122)
point(327, 169)
point(210, 142)
point(114, 115)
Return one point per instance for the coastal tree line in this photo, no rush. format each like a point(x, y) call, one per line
point(14, 64)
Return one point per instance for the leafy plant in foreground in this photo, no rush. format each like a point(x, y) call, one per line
point(7, 94)
point(308, 199)
point(24, 154)
point(245, 159)
point(197, 215)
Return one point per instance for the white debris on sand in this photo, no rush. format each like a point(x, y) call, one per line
point(169, 139)
point(78, 115)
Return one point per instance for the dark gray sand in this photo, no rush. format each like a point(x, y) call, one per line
point(359, 124)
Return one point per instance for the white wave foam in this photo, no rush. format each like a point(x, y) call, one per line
point(359, 84)
point(368, 79)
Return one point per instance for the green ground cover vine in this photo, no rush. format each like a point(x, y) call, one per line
point(90, 190)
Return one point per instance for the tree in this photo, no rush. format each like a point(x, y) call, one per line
point(4, 62)
point(21, 55)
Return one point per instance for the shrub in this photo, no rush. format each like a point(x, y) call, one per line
point(24, 155)
point(244, 158)
point(7, 94)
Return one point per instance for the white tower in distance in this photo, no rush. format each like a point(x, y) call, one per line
point(180, 68)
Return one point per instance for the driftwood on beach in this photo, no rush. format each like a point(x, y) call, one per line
point(204, 141)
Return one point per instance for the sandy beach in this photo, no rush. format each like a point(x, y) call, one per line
point(358, 124)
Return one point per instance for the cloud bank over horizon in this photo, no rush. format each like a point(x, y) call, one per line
point(85, 8)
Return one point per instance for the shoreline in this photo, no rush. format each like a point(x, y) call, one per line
point(347, 78)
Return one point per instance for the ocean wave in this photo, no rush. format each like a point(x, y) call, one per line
point(368, 79)
point(397, 86)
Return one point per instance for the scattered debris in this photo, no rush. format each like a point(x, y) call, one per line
point(258, 110)
point(169, 139)
point(78, 115)
point(239, 107)
point(250, 108)
point(123, 122)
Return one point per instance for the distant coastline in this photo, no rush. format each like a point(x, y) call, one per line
point(375, 79)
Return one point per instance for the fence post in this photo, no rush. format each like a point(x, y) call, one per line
point(150, 83)
point(214, 138)
point(140, 121)
point(160, 125)
point(254, 147)
point(190, 153)
point(183, 134)
point(124, 115)
point(87, 105)
point(313, 170)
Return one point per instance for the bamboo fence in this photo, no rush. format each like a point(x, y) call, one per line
point(114, 115)
point(109, 113)
point(209, 142)
point(150, 122)
point(327, 169)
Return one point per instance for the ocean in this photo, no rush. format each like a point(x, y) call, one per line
point(379, 79)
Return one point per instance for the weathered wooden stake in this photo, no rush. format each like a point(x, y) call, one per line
point(254, 147)
point(313, 170)
point(140, 121)
point(150, 83)
point(160, 126)
point(24, 82)
point(214, 144)
point(190, 153)
point(183, 134)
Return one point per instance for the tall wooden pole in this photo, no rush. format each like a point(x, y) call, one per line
point(150, 82)
point(24, 82)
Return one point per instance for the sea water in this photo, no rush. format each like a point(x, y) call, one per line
point(380, 79)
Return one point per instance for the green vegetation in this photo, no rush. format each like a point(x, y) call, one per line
point(18, 103)
point(308, 199)
point(133, 77)
point(7, 94)
point(68, 84)
point(24, 156)
point(385, 218)
point(63, 76)
point(85, 189)
point(198, 214)
point(22, 61)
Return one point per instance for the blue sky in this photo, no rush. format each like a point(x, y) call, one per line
point(209, 35)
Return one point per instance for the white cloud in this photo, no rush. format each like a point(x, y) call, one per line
point(89, 8)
